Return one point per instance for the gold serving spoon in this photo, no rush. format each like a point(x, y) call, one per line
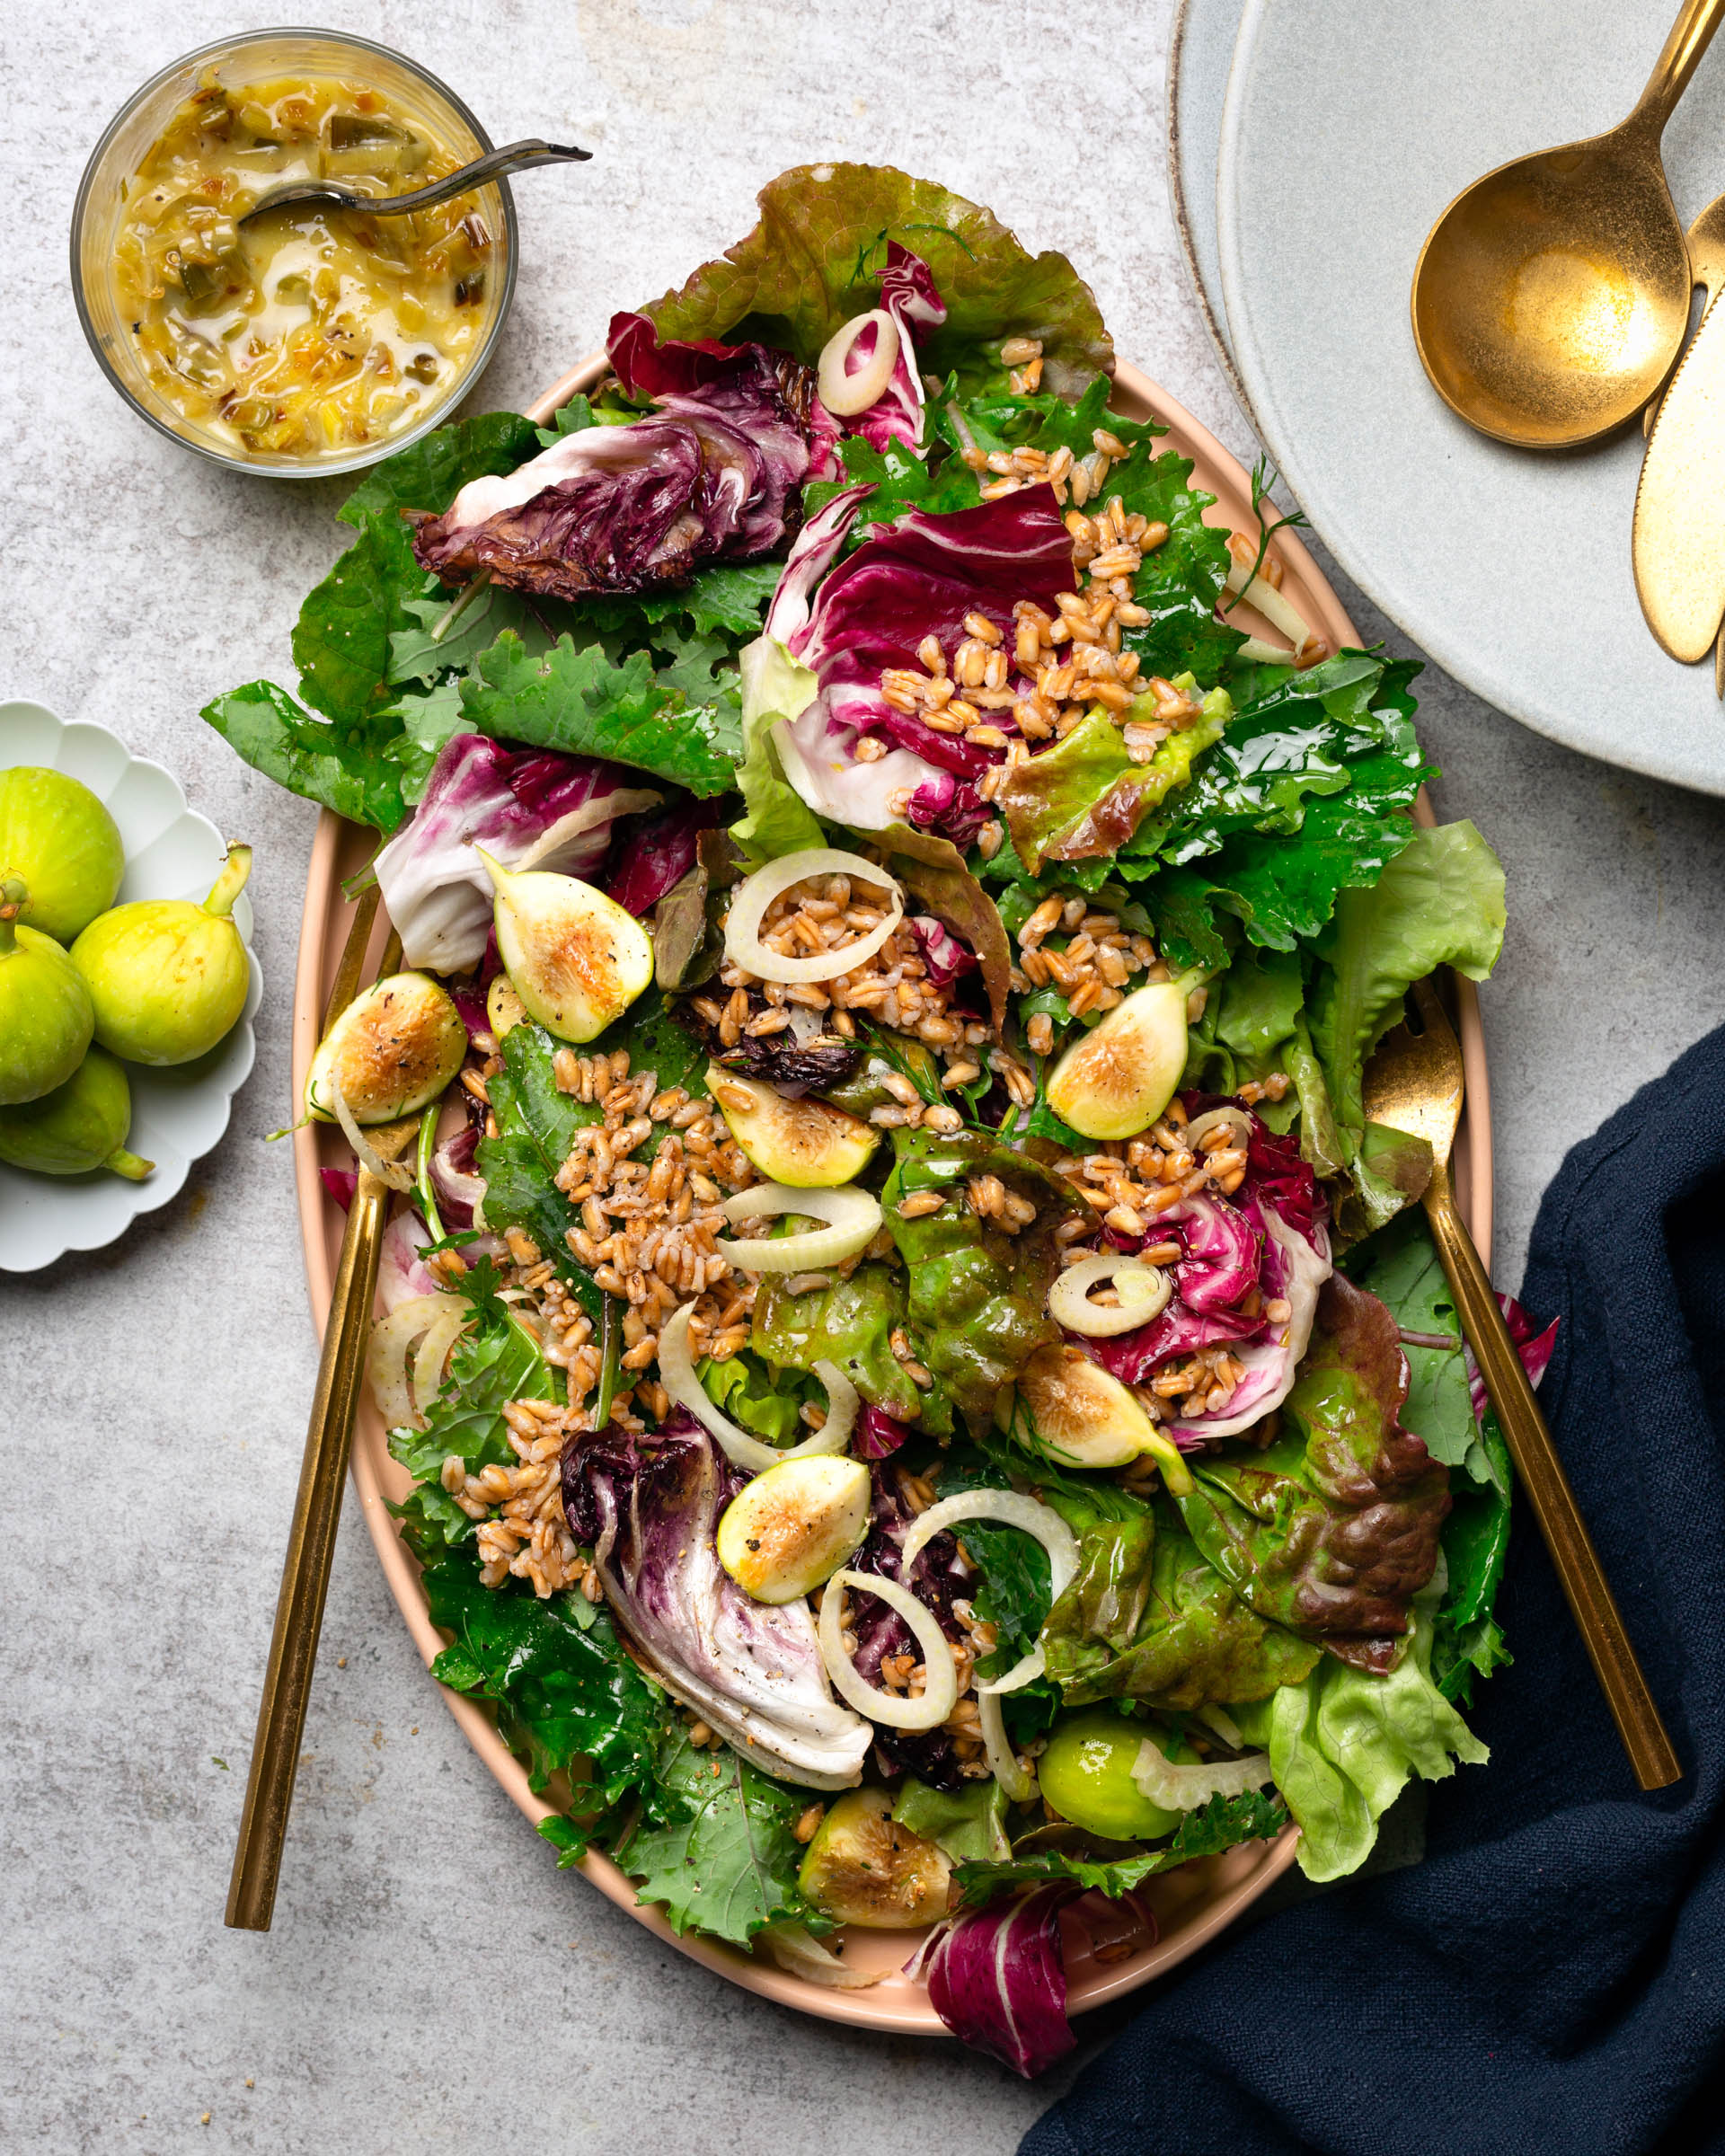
point(1414, 1084)
point(317, 1506)
point(1552, 296)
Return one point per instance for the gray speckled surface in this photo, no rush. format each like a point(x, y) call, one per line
point(431, 1980)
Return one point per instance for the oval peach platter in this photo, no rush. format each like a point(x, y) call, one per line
point(1192, 1905)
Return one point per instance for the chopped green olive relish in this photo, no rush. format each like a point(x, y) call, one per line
point(311, 331)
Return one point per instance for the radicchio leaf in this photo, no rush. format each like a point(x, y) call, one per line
point(340, 1183)
point(401, 1273)
point(1534, 1347)
point(907, 295)
point(1269, 1240)
point(454, 1178)
point(657, 855)
point(919, 577)
point(944, 958)
point(938, 1577)
point(997, 1979)
point(532, 808)
point(877, 1435)
point(649, 1504)
point(715, 472)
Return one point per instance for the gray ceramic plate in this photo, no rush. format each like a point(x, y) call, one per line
point(1199, 55)
point(1340, 146)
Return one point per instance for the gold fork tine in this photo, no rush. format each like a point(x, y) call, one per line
point(317, 1506)
point(1415, 1084)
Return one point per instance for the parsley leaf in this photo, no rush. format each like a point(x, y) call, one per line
point(535, 1127)
point(498, 1362)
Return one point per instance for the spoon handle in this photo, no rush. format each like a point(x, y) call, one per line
point(1691, 34)
point(513, 157)
point(1595, 1608)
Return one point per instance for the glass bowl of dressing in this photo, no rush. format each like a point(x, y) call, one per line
point(311, 342)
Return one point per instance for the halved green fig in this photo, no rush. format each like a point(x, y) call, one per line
point(61, 840)
point(863, 1868)
point(80, 1125)
point(392, 1051)
point(806, 1143)
point(46, 1018)
point(574, 957)
point(794, 1527)
point(1085, 1773)
point(1087, 1417)
point(504, 1010)
point(168, 978)
point(1115, 1082)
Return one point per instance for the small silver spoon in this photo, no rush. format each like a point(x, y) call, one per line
point(513, 157)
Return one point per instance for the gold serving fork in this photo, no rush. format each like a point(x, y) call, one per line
point(317, 1506)
point(1414, 1084)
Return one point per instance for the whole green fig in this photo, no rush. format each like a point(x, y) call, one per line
point(168, 978)
point(46, 1018)
point(81, 1124)
point(59, 837)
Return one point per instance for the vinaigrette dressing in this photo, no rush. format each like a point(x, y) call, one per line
point(313, 331)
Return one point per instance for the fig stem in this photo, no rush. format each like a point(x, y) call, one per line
point(230, 883)
point(13, 895)
point(129, 1164)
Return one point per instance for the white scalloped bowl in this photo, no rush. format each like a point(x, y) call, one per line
point(177, 1115)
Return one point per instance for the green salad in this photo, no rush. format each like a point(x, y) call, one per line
point(928, 1402)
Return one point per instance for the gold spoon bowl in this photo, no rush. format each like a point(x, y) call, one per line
point(1551, 297)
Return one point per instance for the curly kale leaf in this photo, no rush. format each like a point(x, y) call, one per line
point(725, 1862)
point(341, 642)
point(1222, 1824)
point(566, 1692)
point(683, 724)
point(350, 769)
point(1306, 795)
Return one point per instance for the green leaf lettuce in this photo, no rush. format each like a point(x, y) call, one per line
point(815, 258)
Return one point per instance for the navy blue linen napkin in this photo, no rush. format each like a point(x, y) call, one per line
point(1551, 1981)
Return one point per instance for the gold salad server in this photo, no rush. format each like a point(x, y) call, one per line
point(317, 1508)
point(1679, 536)
point(1414, 1084)
point(1552, 295)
